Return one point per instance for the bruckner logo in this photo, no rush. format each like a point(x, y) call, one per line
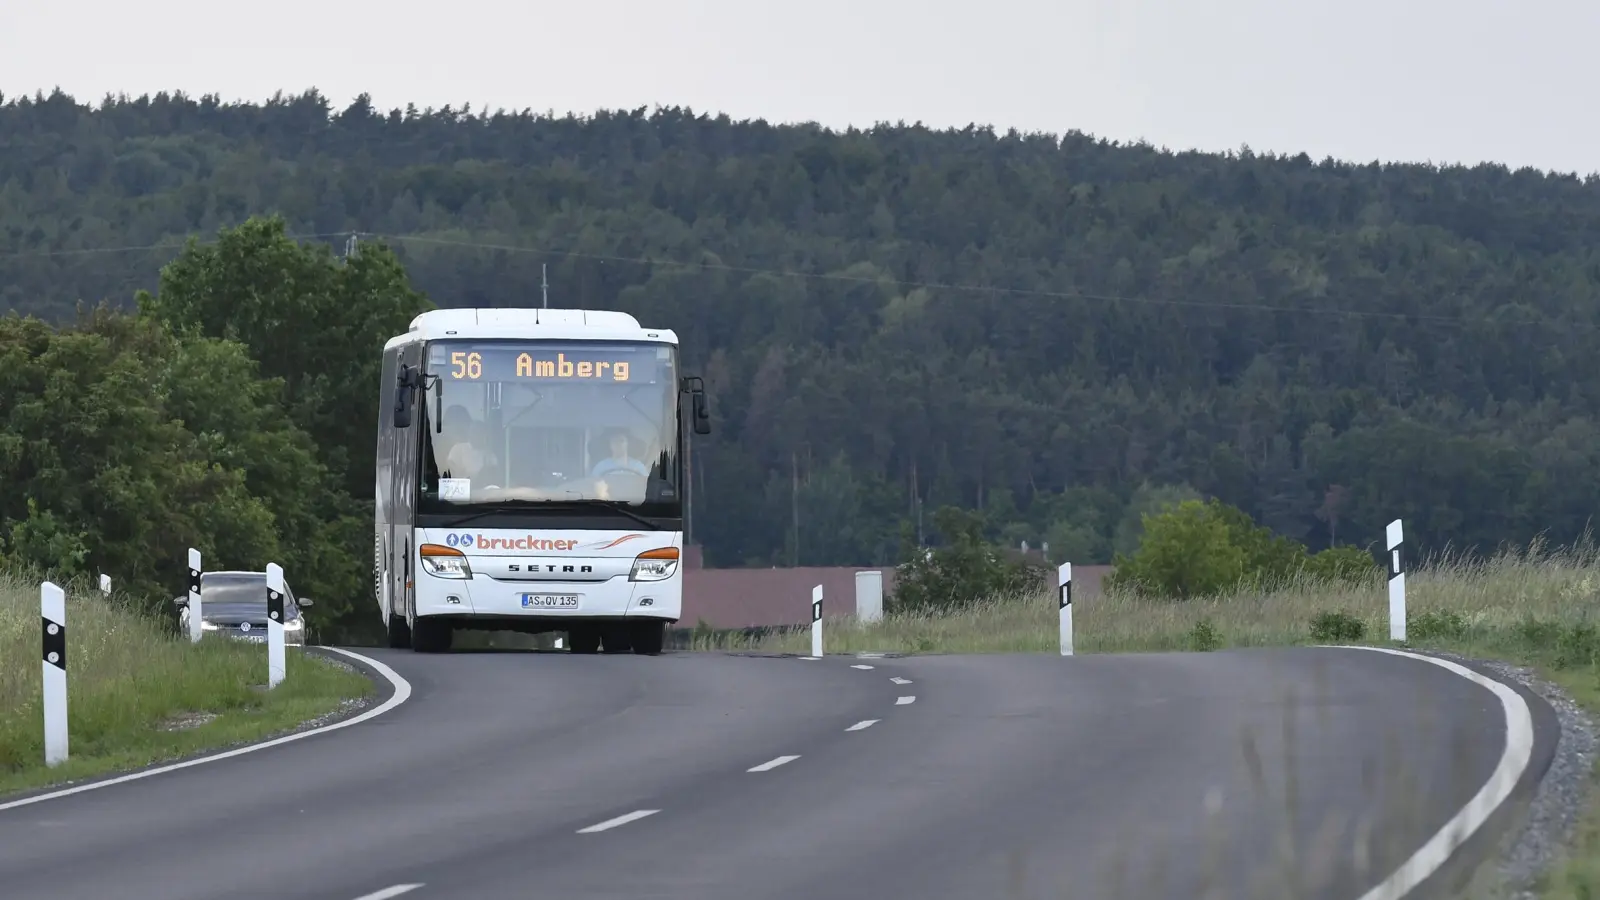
point(526, 542)
point(529, 542)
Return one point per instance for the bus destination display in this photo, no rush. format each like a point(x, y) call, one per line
point(616, 365)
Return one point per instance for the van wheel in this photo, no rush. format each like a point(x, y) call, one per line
point(431, 636)
point(584, 640)
point(399, 632)
point(648, 637)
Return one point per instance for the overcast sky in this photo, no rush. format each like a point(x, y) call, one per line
point(1416, 80)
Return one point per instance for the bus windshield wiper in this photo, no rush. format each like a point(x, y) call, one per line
point(563, 506)
point(471, 517)
point(607, 505)
point(630, 514)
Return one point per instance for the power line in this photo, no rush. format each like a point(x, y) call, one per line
point(955, 287)
point(966, 288)
point(148, 248)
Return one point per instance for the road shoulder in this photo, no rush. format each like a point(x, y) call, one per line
point(229, 734)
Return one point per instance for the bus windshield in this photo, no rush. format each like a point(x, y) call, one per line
point(549, 420)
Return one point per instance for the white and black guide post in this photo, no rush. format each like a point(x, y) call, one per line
point(105, 585)
point(1064, 597)
point(816, 621)
point(53, 607)
point(275, 592)
point(1397, 584)
point(194, 595)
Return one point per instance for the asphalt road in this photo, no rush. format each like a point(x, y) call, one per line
point(1272, 773)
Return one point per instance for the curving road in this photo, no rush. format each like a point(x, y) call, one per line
point(1269, 773)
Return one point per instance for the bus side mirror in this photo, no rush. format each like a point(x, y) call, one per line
point(702, 415)
point(402, 399)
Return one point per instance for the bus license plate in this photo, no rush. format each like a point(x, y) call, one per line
point(549, 601)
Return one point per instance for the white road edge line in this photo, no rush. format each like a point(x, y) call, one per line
point(858, 666)
point(1513, 764)
point(388, 892)
point(771, 764)
point(402, 693)
point(901, 680)
point(866, 723)
point(903, 701)
point(609, 824)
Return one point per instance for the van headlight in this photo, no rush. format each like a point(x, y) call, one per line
point(444, 562)
point(654, 565)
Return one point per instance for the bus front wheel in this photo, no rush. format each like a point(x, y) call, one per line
point(399, 632)
point(431, 635)
point(648, 637)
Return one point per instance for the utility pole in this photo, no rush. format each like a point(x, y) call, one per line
point(544, 284)
point(916, 502)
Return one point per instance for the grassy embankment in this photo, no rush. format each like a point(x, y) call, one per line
point(137, 695)
point(1535, 607)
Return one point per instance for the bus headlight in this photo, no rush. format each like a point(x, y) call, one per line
point(655, 565)
point(444, 562)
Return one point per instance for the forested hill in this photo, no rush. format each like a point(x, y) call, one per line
point(1061, 329)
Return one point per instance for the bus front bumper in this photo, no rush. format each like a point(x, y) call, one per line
point(487, 598)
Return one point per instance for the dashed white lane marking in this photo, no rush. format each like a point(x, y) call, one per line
point(904, 701)
point(812, 658)
point(860, 667)
point(901, 680)
point(388, 892)
point(867, 723)
point(869, 656)
point(1514, 760)
point(402, 693)
point(771, 764)
point(609, 824)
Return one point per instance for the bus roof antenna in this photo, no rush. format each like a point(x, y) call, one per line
point(544, 284)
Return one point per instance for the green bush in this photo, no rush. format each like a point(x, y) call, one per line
point(1337, 628)
point(1203, 549)
point(1188, 551)
point(1204, 637)
point(1347, 564)
point(965, 569)
point(1577, 645)
point(1434, 624)
point(1269, 559)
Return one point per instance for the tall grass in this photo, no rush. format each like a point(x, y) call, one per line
point(133, 685)
point(1512, 599)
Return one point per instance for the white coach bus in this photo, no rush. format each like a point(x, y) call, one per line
point(530, 478)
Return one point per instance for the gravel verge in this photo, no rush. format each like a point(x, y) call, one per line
point(1530, 849)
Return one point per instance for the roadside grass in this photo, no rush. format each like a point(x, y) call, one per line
point(137, 695)
point(1537, 607)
